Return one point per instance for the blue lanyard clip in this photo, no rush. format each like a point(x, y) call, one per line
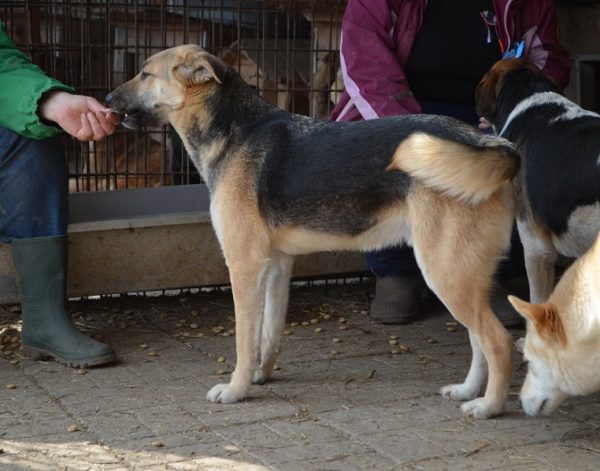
point(515, 52)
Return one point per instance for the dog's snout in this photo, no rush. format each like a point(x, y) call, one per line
point(114, 100)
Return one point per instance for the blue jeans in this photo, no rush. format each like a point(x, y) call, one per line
point(400, 261)
point(33, 187)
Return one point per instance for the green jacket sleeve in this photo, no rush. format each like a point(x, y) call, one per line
point(23, 84)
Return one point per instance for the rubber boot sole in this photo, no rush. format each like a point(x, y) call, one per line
point(36, 353)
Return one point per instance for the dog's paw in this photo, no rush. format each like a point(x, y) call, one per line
point(260, 377)
point(459, 392)
point(225, 394)
point(482, 408)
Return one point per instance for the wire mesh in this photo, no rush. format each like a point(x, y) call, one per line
point(286, 50)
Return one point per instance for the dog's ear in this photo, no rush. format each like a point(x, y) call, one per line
point(545, 319)
point(595, 250)
point(489, 87)
point(485, 97)
point(200, 67)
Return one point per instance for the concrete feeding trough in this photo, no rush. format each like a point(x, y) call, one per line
point(152, 239)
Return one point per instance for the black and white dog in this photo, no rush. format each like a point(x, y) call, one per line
point(558, 185)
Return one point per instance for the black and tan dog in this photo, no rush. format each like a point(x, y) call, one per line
point(284, 184)
point(558, 185)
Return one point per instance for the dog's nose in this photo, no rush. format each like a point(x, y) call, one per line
point(109, 98)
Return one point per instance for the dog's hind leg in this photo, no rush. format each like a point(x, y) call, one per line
point(457, 247)
point(469, 304)
point(540, 257)
point(273, 321)
point(475, 380)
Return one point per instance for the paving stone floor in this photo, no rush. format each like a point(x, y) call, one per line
point(348, 394)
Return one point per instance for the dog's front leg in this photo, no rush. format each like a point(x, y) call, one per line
point(273, 321)
point(540, 257)
point(540, 272)
point(247, 284)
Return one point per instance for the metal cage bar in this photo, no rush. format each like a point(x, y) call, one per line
point(285, 49)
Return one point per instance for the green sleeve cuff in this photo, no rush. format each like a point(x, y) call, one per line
point(33, 126)
point(23, 85)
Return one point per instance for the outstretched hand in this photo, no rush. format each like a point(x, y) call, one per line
point(83, 117)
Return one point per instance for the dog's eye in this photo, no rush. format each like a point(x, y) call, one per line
point(145, 75)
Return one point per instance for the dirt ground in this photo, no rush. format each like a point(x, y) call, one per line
point(347, 394)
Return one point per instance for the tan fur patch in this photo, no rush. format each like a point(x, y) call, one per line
point(457, 247)
point(243, 231)
point(459, 171)
point(391, 228)
point(551, 326)
point(460, 243)
point(545, 318)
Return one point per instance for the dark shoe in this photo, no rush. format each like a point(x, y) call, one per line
point(397, 299)
point(502, 308)
point(47, 330)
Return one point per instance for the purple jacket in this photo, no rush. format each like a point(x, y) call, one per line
point(377, 37)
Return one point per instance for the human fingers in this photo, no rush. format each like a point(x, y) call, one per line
point(98, 108)
point(112, 117)
point(97, 130)
point(107, 126)
point(95, 106)
point(85, 133)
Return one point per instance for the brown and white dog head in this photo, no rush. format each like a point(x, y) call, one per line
point(562, 345)
point(166, 82)
point(491, 84)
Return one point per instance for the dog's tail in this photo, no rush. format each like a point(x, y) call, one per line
point(468, 171)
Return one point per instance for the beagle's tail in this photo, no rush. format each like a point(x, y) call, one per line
point(470, 171)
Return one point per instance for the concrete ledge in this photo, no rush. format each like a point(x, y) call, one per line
point(151, 239)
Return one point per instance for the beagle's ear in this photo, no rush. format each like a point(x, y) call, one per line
point(200, 67)
point(486, 95)
point(544, 317)
point(489, 87)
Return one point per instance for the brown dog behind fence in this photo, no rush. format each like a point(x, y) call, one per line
point(122, 161)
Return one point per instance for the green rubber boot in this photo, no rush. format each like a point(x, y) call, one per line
point(48, 331)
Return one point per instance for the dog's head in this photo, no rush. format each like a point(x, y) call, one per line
point(562, 345)
point(542, 390)
point(166, 82)
point(491, 84)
